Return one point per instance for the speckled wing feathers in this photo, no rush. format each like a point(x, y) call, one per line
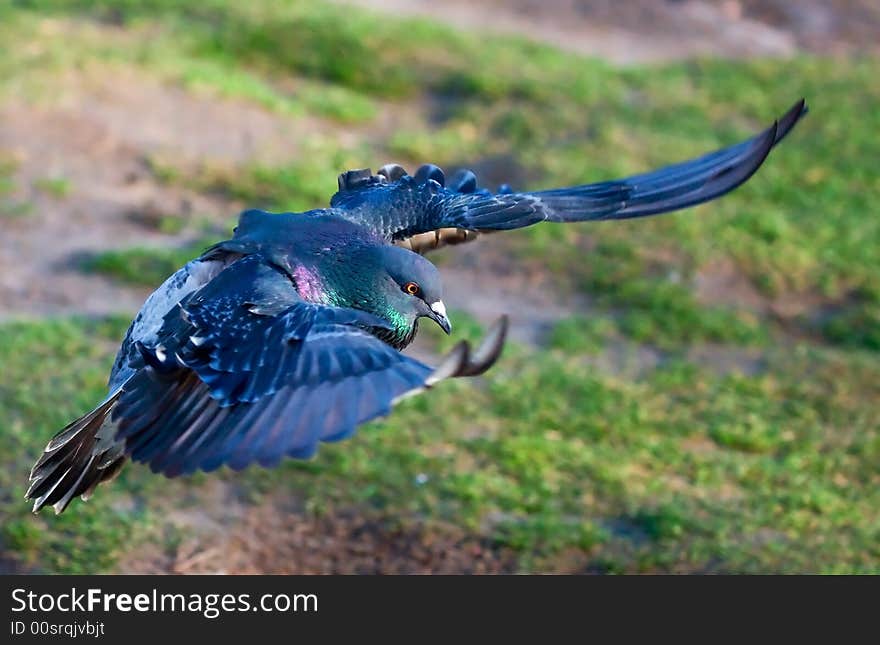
point(227, 364)
point(230, 386)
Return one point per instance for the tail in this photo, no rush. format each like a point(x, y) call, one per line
point(77, 459)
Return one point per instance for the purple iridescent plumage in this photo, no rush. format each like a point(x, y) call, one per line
point(288, 333)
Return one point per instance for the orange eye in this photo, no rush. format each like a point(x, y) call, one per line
point(412, 288)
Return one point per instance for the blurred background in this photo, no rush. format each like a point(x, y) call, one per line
point(691, 393)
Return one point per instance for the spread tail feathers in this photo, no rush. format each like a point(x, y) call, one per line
point(77, 459)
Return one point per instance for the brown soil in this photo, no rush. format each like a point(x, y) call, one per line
point(98, 134)
point(722, 283)
point(102, 127)
point(505, 286)
point(274, 538)
point(101, 130)
point(651, 31)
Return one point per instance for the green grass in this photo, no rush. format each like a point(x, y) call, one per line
point(57, 187)
point(801, 227)
point(680, 467)
point(173, 45)
point(8, 166)
point(11, 208)
point(680, 470)
point(143, 266)
point(73, 359)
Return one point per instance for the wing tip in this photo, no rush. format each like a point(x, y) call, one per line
point(451, 365)
point(489, 351)
point(461, 362)
point(756, 158)
point(787, 121)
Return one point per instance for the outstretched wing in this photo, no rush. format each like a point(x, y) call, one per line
point(246, 372)
point(398, 206)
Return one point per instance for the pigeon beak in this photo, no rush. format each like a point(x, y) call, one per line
point(438, 315)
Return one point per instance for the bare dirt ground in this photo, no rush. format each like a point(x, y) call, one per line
point(99, 134)
point(85, 135)
point(280, 538)
point(654, 31)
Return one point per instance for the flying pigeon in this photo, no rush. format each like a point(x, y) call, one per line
point(290, 333)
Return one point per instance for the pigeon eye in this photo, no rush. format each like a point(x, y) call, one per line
point(412, 288)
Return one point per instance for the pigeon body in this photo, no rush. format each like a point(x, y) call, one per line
point(289, 333)
point(337, 262)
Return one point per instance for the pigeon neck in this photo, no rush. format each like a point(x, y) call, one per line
point(346, 290)
point(402, 332)
point(310, 286)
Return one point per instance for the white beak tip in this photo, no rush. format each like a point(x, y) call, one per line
point(439, 308)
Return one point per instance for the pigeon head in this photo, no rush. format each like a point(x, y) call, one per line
point(411, 287)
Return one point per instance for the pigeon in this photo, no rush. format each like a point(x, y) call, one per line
point(291, 332)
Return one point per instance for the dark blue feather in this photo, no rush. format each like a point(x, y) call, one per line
point(412, 205)
point(252, 387)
